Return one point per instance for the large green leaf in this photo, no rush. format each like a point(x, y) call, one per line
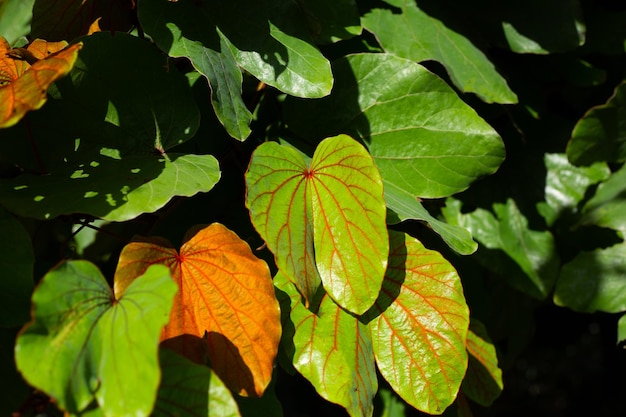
point(15, 16)
point(607, 208)
point(110, 160)
point(594, 281)
point(599, 135)
point(86, 342)
point(332, 349)
point(419, 326)
point(415, 35)
point(16, 271)
point(329, 218)
point(424, 139)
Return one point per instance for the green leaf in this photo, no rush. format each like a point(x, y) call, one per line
point(594, 281)
point(621, 329)
point(111, 160)
point(191, 389)
point(607, 208)
point(419, 325)
point(405, 206)
point(331, 20)
point(415, 35)
point(599, 135)
point(331, 349)
point(532, 251)
point(15, 16)
point(483, 380)
point(16, 271)
point(392, 405)
point(86, 343)
point(423, 138)
point(328, 218)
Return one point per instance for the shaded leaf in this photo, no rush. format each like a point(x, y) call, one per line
point(392, 406)
point(26, 74)
point(188, 389)
point(415, 35)
point(85, 342)
point(483, 380)
point(16, 272)
point(14, 389)
point(599, 135)
point(331, 349)
point(225, 309)
point(331, 20)
point(328, 218)
point(424, 139)
point(419, 325)
point(594, 281)
point(621, 329)
point(607, 208)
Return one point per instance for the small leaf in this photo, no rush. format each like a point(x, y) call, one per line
point(332, 350)
point(419, 326)
point(594, 281)
point(599, 135)
point(225, 307)
point(483, 380)
point(26, 74)
point(334, 208)
point(85, 342)
point(415, 35)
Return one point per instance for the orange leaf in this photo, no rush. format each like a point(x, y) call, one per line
point(225, 309)
point(26, 74)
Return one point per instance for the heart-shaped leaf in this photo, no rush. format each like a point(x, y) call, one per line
point(26, 74)
point(225, 309)
point(332, 349)
point(483, 380)
point(419, 326)
point(326, 219)
point(85, 342)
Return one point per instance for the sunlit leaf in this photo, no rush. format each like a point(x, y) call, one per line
point(225, 309)
point(26, 74)
point(328, 218)
point(332, 349)
point(607, 207)
point(419, 326)
point(86, 343)
point(483, 380)
point(15, 18)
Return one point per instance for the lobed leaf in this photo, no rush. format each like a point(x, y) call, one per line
point(86, 343)
point(483, 380)
point(226, 308)
point(419, 326)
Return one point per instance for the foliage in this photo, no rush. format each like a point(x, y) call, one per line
point(363, 192)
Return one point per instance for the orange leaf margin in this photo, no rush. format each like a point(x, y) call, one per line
point(26, 75)
point(225, 310)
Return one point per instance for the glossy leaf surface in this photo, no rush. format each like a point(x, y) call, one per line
point(26, 75)
point(415, 35)
point(423, 138)
point(332, 349)
point(483, 380)
point(328, 218)
point(607, 208)
point(419, 326)
point(226, 309)
point(86, 343)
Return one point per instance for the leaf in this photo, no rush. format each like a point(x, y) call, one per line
point(331, 20)
point(26, 74)
point(594, 281)
point(69, 19)
point(415, 35)
point(331, 349)
point(188, 389)
point(392, 405)
point(111, 162)
point(328, 218)
point(225, 308)
point(423, 138)
point(532, 251)
point(419, 326)
point(15, 17)
point(483, 380)
point(599, 135)
point(16, 269)
point(85, 342)
point(621, 329)
point(408, 207)
point(606, 207)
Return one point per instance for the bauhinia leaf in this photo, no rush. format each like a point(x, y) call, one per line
point(419, 326)
point(328, 218)
point(26, 74)
point(86, 342)
point(226, 308)
point(332, 349)
point(483, 380)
